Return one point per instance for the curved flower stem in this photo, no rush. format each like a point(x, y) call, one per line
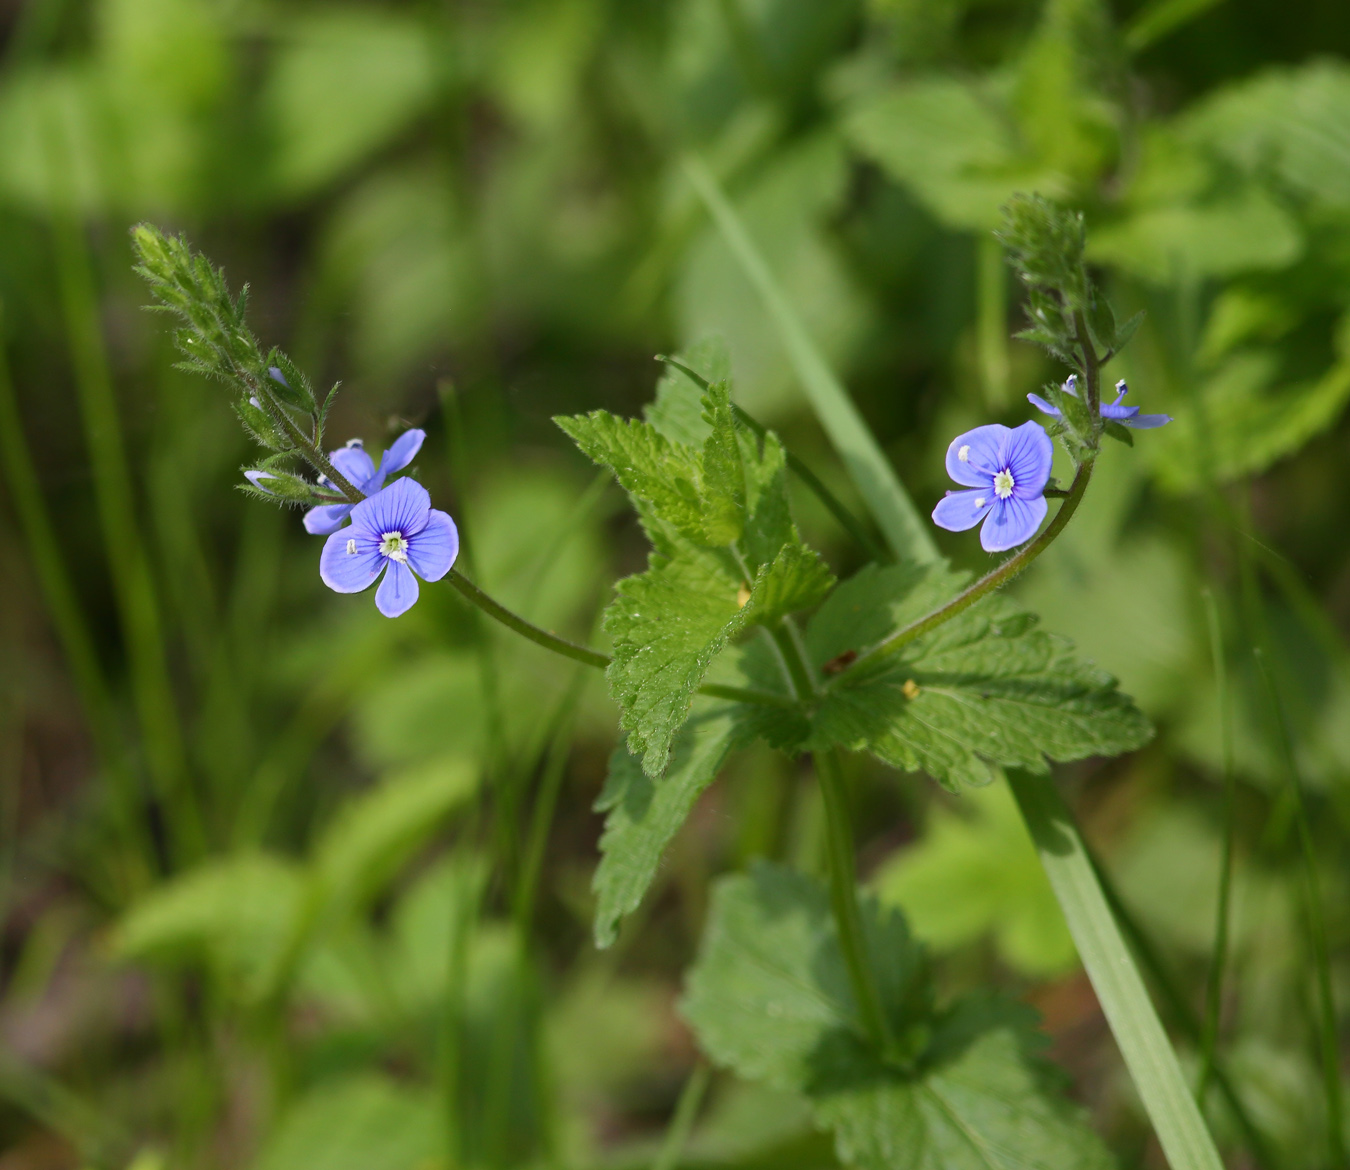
point(986, 584)
point(308, 451)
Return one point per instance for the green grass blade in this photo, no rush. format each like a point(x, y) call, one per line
point(905, 529)
point(1148, 1055)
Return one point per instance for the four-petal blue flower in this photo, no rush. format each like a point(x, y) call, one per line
point(1127, 416)
point(363, 475)
point(396, 532)
point(1006, 469)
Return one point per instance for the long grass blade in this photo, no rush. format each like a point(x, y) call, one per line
point(1218, 960)
point(1143, 1044)
point(880, 487)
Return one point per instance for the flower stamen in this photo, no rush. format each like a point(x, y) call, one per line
point(1003, 484)
point(964, 453)
point(351, 548)
point(393, 546)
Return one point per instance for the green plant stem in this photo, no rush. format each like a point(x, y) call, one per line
point(844, 899)
point(133, 583)
point(986, 584)
point(877, 483)
point(1214, 984)
point(849, 522)
point(1148, 1056)
point(1326, 1004)
point(682, 1121)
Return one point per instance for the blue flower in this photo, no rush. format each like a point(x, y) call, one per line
point(1007, 470)
point(1127, 416)
point(363, 475)
point(395, 530)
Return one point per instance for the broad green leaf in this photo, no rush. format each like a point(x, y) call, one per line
point(797, 578)
point(642, 814)
point(721, 473)
point(237, 914)
point(370, 1122)
point(985, 690)
point(974, 872)
point(770, 997)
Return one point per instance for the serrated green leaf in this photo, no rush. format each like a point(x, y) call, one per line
point(770, 997)
point(797, 578)
point(721, 473)
point(984, 689)
point(647, 465)
point(667, 625)
point(644, 814)
point(677, 410)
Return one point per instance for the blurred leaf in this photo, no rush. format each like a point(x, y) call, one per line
point(949, 143)
point(423, 925)
point(403, 718)
point(677, 410)
point(642, 814)
point(1237, 232)
point(371, 1122)
point(395, 248)
point(237, 913)
point(343, 83)
point(783, 211)
point(770, 997)
point(1292, 122)
point(373, 833)
point(976, 874)
point(1245, 420)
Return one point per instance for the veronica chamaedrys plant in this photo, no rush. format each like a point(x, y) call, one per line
point(395, 532)
point(736, 631)
point(1005, 471)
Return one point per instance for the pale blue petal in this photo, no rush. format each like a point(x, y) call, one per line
point(256, 479)
point(957, 511)
point(348, 572)
point(397, 592)
point(433, 550)
point(1043, 406)
point(326, 518)
point(1012, 522)
point(355, 464)
point(1146, 422)
point(1027, 454)
point(401, 507)
point(1115, 411)
point(981, 462)
point(401, 452)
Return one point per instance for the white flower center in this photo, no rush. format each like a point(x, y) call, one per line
point(1003, 484)
point(393, 546)
point(351, 548)
point(964, 453)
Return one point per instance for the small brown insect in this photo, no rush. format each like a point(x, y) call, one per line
point(911, 689)
point(842, 663)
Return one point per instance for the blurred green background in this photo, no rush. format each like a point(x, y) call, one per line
point(288, 885)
